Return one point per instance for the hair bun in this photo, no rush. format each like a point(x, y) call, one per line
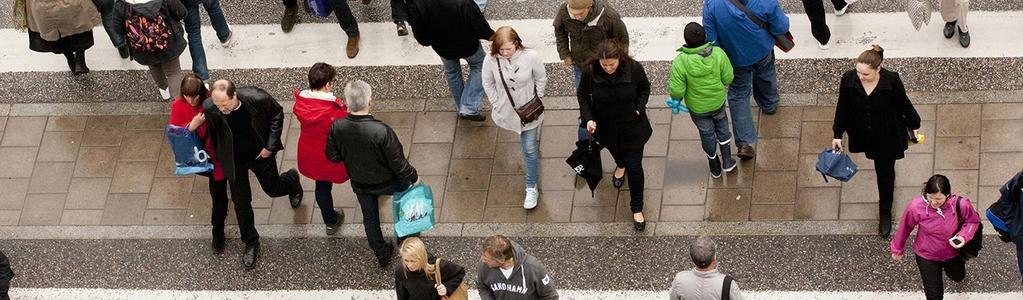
point(877, 48)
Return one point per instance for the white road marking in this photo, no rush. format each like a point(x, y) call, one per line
point(653, 39)
point(114, 294)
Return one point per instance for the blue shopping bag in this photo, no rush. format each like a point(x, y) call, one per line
point(320, 8)
point(190, 156)
point(413, 210)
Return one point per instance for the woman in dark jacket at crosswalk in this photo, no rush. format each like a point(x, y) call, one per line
point(613, 94)
point(414, 276)
point(874, 110)
point(163, 63)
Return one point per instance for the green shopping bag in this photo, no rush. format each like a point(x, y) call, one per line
point(413, 210)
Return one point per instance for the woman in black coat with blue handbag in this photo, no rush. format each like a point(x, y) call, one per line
point(613, 94)
point(874, 110)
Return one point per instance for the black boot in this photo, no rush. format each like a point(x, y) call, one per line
point(80, 67)
point(884, 225)
point(70, 57)
point(123, 51)
point(295, 196)
point(251, 253)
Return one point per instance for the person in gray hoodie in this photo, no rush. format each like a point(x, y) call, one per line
point(507, 272)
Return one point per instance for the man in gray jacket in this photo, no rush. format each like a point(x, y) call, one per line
point(704, 281)
point(508, 273)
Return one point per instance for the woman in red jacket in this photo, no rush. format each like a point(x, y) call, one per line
point(186, 110)
point(316, 109)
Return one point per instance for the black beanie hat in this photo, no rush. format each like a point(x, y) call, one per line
point(694, 35)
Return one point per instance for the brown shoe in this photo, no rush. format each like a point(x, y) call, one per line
point(289, 19)
point(353, 46)
point(747, 152)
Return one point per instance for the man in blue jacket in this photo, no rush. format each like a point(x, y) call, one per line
point(1010, 208)
point(750, 48)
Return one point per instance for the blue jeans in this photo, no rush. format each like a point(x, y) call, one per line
point(530, 142)
point(106, 11)
point(345, 18)
point(482, 4)
point(763, 78)
point(713, 130)
point(193, 27)
point(468, 95)
point(325, 200)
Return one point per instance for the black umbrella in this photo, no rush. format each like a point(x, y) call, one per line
point(585, 161)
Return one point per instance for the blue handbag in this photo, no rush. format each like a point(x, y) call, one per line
point(836, 164)
point(320, 8)
point(190, 156)
point(413, 210)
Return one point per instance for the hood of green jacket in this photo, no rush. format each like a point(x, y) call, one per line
point(696, 64)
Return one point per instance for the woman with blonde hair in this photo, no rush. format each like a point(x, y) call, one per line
point(414, 277)
point(513, 76)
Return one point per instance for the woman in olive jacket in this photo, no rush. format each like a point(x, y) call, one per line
point(612, 96)
point(875, 111)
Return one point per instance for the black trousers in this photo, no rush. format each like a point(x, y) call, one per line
point(342, 11)
point(399, 11)
point(632, 161)
point(370, 204)
point(5, 277)
point(885, 187)
point(818, 25)
point(273, 183)
point(1019, 254)
point(930, 273)
point(218, 191)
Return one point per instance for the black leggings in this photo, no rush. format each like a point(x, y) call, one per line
point(885, 187)
point(818, 25)
point(632, 161)
point(933, 281)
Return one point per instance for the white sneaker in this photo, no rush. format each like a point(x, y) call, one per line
point(165, 93)
point(207, 85)
point(824, 46)
point(842, 11)
point(531, 198)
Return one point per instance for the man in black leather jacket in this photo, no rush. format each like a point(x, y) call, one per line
point(245, 125)
point(375, 160)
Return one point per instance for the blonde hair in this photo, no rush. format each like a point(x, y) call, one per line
point(414, 247)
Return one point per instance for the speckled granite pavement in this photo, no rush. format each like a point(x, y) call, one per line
point(269, 11)
point(796, 263)
point(795, 76)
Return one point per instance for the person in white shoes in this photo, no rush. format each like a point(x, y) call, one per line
point(818, 25)
point(511, 70)
point(139, 25)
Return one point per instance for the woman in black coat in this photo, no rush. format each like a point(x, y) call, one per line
point(613, 93)
point(875, 111)
point(414, 276)
point(163, 63)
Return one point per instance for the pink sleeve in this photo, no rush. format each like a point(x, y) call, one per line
point(971, 219)
point(906, 224)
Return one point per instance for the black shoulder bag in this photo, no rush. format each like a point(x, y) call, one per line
point(972, 248)
point(528, 112)
point(785, 41)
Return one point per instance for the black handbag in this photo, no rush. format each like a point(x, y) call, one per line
point(972, 248)
point(528, 112)
point(784, 41)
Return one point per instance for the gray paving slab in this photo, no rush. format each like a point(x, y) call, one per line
point(816, 262)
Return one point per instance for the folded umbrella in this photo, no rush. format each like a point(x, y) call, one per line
point(585, 161)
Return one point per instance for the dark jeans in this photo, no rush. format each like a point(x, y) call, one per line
point(325, 200)
point(761, 80)
point(632, 161)
point(713, 130)
point(5, 276)
point(106, 11)
point(218, 191)
point(193, 27)
point(342, 11)
point(930, 273)
point(370, 204)
point(885, 187)
point(818, 25)
point(273, 183)
point(399, 11)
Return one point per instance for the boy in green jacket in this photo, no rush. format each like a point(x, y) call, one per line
point(699, 75)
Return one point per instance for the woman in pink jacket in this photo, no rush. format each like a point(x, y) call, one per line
point(935, 214)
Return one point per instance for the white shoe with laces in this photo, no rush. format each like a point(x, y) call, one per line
point(165, 93)
point(532, 195)
point(839, 12)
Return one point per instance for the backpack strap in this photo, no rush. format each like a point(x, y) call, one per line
point(726, 288)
